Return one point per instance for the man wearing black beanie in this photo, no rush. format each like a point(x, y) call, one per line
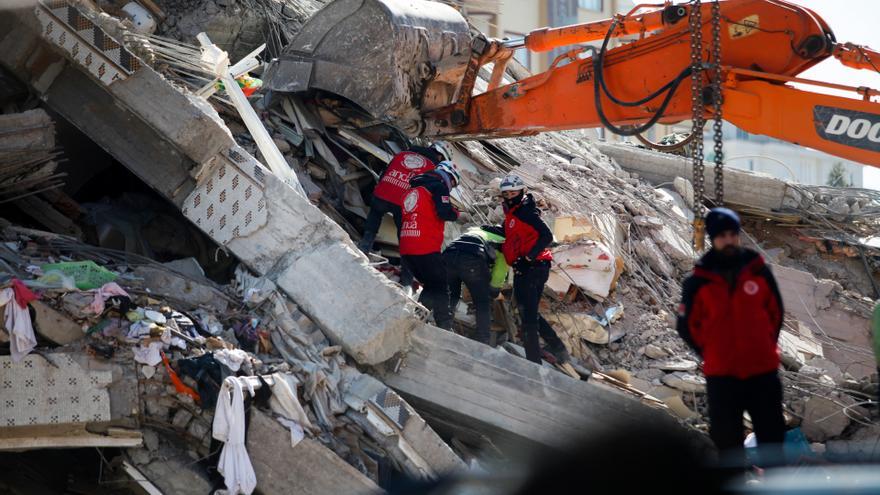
point(731, 314)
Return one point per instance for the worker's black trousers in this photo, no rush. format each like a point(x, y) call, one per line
point(378, 209)
point(528, 286)
point(430, 271)
point(473, 270)
point(761, 396)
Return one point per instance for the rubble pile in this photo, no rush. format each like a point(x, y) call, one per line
point(181, 338)
point(190, 357)
point(623, 245)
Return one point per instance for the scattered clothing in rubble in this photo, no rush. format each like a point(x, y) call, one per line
point(247, 333)
point(229, 428)
point(151, 355)
point(179, 386)
point(232, 358)
point(284, 399)
point(18, 319)
point(208, 323)
point(207, 373)
point(103, 294)
point(296, 431)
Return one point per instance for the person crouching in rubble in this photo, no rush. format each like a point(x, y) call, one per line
point(473, 259)
point(394, 184)
point(731, 314)
point(426, 208)
point(526, 248)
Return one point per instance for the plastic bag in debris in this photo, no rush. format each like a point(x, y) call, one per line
point(86, 274)
point(208, 322)
point(253, 289)
point(53, 279)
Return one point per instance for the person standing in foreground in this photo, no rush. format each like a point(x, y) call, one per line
point(731, 314)
point(526, 249)
point(426, 208)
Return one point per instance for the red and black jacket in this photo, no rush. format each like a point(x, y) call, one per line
point(425, 209)
point(525, 233)
point(731, 314)
point(394, 183)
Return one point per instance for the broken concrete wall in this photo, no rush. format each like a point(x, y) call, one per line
point(27, 131)
point(821, 306)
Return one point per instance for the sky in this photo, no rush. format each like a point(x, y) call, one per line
point(855, 21)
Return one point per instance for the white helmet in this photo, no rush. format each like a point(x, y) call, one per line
point(450, 169)
point(445, 149)
point(512, 182)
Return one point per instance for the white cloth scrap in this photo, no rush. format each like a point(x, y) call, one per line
point(232, 358)
point(150, 355)
point(296, 431)
point(106, 291)
point(284, 401)
point(139, 329)
point(234, 464)
point(18, 323)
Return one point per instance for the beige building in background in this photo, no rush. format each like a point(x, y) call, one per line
point(516, 18)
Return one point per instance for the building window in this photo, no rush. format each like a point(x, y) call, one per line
point(594, 5)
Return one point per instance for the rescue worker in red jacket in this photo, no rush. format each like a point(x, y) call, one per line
point(394, 184)
point(731, 314)
point(526, 248)
point(426, 208)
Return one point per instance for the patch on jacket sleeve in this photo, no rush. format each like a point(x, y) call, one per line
point(751, 287)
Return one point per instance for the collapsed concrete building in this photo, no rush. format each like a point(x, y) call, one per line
point(383, 390)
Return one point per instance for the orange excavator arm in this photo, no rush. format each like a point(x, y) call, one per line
point(765, 44)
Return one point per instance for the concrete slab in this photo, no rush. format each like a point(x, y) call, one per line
point(399, 428)
point(740, 187)
point(54, 325)
point(308, 469)
point(466, 388)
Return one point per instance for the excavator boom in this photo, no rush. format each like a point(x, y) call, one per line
point(765, 45)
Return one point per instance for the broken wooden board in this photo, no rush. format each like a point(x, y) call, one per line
point(66, 436)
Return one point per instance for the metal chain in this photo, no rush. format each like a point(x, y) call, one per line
point(695, 20)
point(716, 96)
